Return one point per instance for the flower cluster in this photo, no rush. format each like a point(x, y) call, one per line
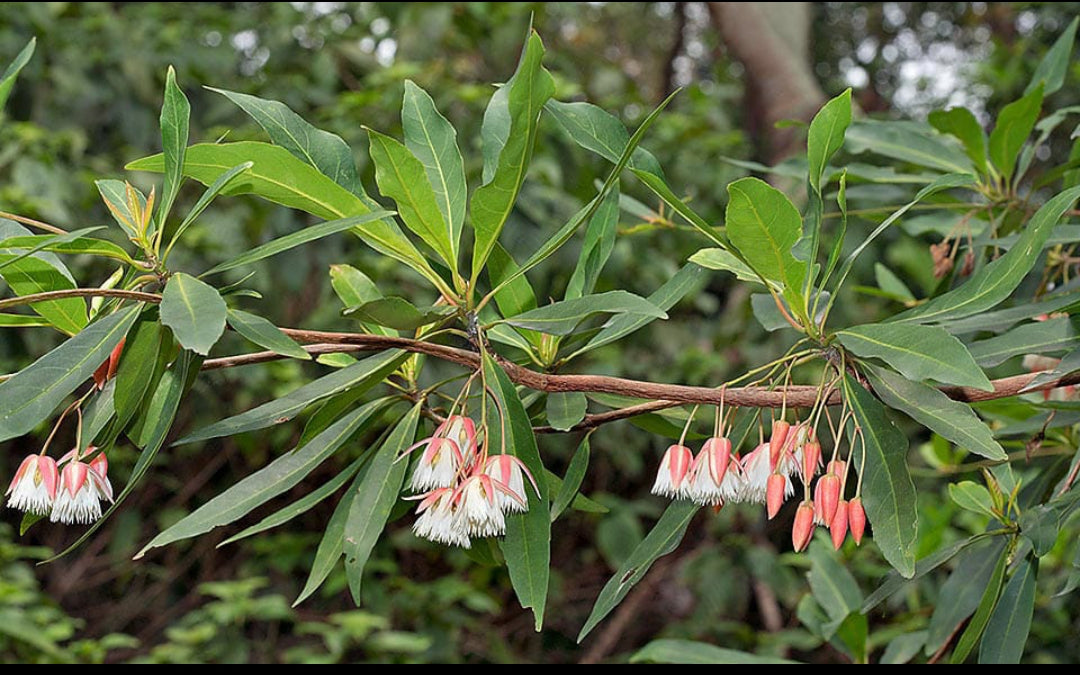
point(464, 492)
point(718, 476)
point(68, 491)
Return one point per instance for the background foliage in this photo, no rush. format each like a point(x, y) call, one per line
point(88, 103)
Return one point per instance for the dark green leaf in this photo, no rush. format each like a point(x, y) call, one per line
point(39, 273)
point(908, 142)
point(175, 117)
point(360, 376)
point(598, 131)
point(1039, 337)
point(32, 394)
point(656, 184)
point(353, 287)
point(1009, 625)
point(136, 369)
point(970, 637)
point(919, 352)
point(690, 652)
point(1014, 125)
point(331, 545)
point(194, 311)
point(599, 241)
point(960, 594)
point(21, 320)
point(1054, 66)
point(961, 123)
point(575, 473)
point(265, 334)
point(374, 498)
point(888, 493)
point(832, 584)
point(663, 539)
point(903, 648)
point(561, 318)
point(398, 313)
point(7, 80)
point(566, 409)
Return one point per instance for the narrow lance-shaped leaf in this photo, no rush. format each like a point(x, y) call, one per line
point(266, 483)
point(175, 117)
point(265, 334)
point(72, 243)
point(33, 393)
point(599, 241)
point(962, 591)
point(1054, 66)
point(832, 584)
point(491, 204)
point(961, 123)
point(1039, 337)
point(661, 540)
point(699, 653)
point(194, 311)
point(219, 184)
point(721, 260)
point(970, 637)
point(362, 375)
point(888, 493)
point(1009, 625)
point(375, 497)
point(826, 135)
point(908, 142)
point(953, 420)
point(138, 360)
point(38, 273)
point(433, 140)
point(1014, 125)
point(527, 545)
point(399, 313)
point(919, 352)
point(598, 131)
point(560, 318)
point(575, 473)
point(7, 80)
point(331, 545)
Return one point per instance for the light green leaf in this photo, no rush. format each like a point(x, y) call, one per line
point(290, 241)
point(403, 178)
point(888, 282)
point(265, 334)
point(1014, 125)
point(527, 91)
point(268, 482)
point(996, 281)
point(527, 545)
point(138, 361)
point(320, 149)
point(1009, 625)
point(33, 394)
point(353, 288)
point(598, 131)
point(21, 321)
point(970, 637)
point(175, 118)
point(903, 648)
point(565, 409)
point(961, 123)
point(661, 540)
point(398, 313)
point(919, 352)
point(953, 420)
point(908, 142)
point(374, 497)
point(972, 497)
point(1039, 337)
point(219, 184)
point(7, 80)
point(701, 653)
point(115, 195)
point(561, 318)
point(719, 259)
point(888, 493)
point(38, 273)
point(194, 311)
point(599, 241)
point(360, 376)
point(826, 135)
point(433, 140)
point(1054, 66)
point(72, 243)
point(575, 473)
point(716, 235)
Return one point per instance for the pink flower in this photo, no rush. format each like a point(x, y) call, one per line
point(33, 489)
point(674, 467)
point(82, 488)
point(447, 452)
point(709, 473)
point(478, 513)
point(509, 472)
point(438, 521)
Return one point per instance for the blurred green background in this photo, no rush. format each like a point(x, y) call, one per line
point(88, 103)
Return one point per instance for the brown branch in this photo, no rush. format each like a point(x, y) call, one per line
point(80, 293)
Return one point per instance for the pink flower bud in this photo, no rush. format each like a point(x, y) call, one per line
point(826, 497)
point(780, 429)
point(856, 519)
point(774, 493)
point(803, 528)
point(836, 466)
point(811, 460)
point(839, 526)
point(670, 479)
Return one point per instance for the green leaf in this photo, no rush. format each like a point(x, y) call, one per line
point(553, 485)
point(953, 420)
point(661, 540)
point(1014, 125)
point(513, 297)
point(690, 652)
point(300, 506)
point(1039, 337)
point(832, 584)
point(433, 140)
point(360, 376)
point(598, 131)
point(403, 178)
point(175, 118)
point(719, 259)
point(903, 648)
point(888, 493)
point(279, 177)
point(664, 298)
point(135, 372)
point(72, 243)
point(527, 545)
point(115, 195)
point(970, 637)
point(826, 135)
point(656, 184)
point(1009, 625)
point(566, 409)
point(527, 91)
point(961, 123)
point(398, 313)
point(290, 241)
point(599, 241)
point(194, 311)
point(39, 273)
point(561, 318)
point(1054, 66)
point(996, 281)
point(962, 591)
point(353, 287)
point(908, 142)
point(219, 184)
point(7, 80)
point(324, 151)
point(763, 224)
point(374, 498)
point(331, 545)
point(265, 334)
point(274, 479)
point(972, 497)
point(33, 394)
point(850, 637)
point(919, 352)
point(575, 473)
point(21, 321)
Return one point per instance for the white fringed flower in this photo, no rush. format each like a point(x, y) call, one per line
point(438, 520)
point(508, 473)
point(81, 490)
point(33, 489)
point(671, 478)
point(478, 513)
point(447, 452)
point(709, 471)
